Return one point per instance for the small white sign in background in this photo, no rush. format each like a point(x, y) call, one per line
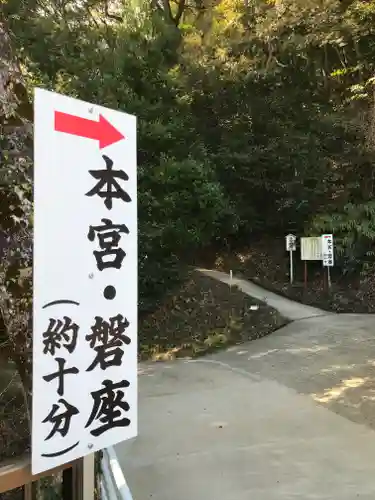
point(291, 245)
point(291, 242)
point(311, 248)
point(327, 250)
point(85, 279)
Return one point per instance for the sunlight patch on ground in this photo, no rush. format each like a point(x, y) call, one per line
point(369, 398)
point(262, 354)
point(168, 355)
point(309, 349)
point(336, 392)
point(299, 350)
point(336, 368)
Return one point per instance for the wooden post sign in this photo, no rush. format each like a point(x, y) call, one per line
point(327, 251)
point(291, 246)
point(85, 280)
point(311, 249)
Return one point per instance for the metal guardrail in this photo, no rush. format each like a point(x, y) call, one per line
point(113, 485)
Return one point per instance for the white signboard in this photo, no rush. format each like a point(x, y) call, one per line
point(327, 250)
point(85, 279)
point(290, 242)
point(311, 248)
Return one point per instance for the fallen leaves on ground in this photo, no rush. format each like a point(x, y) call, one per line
point(202, 316)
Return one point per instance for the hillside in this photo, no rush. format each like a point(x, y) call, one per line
point(201, 316)
point(267, 263)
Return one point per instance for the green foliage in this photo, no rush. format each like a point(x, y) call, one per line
point(252, 117)
point(15, 218)
point(129, 66)
point(354, 228)
point(181, 209)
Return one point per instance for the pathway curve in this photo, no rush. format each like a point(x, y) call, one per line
point(288, 308)
point(288, 416)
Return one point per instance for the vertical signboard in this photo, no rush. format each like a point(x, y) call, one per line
point(291, 246)
point(291, 243)
point(85, 279)
point(327, 250)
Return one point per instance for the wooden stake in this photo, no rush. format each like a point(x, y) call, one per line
point(67, 492)
point(291, 267)
point(89, 477)
point(28, 491)
point(329, 277)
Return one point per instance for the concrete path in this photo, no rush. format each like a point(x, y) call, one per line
point(288, 416)
point(288, 308)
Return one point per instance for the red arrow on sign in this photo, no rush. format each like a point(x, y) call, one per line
point(101, 130)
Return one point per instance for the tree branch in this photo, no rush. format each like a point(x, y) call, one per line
point(115, 17)
point(167, 10)
point(164, 7)
point(180, 12)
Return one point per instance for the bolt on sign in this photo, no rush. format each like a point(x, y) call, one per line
point(327, 250)
point(311, 248)
point(85, 279)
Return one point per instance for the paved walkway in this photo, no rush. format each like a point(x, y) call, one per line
point(288, 416)
point(288, 308)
